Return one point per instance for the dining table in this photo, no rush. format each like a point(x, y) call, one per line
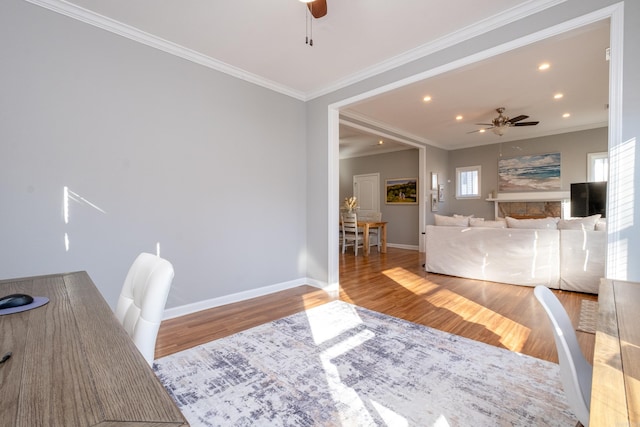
point(382, 234)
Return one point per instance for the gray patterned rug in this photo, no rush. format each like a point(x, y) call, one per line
point(588, 316)
point(342, 365)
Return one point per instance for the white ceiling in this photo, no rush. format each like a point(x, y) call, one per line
point(579, 70)
point(263, 41)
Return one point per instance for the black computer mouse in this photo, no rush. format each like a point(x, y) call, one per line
point(15, 300)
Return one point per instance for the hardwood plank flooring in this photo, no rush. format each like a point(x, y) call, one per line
point(396, 284)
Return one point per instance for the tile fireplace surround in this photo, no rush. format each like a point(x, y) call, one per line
point(530, 209)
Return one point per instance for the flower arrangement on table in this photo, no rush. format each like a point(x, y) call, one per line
point(350, 203)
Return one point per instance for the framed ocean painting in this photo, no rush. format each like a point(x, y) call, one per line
point(537, 172)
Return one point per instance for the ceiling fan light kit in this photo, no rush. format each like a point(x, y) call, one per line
point(500, 124)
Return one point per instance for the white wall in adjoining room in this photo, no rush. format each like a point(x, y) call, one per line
point(403, 226)
point(573, 148)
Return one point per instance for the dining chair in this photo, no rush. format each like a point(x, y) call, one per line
point(575, 372)
point(350, 232)
point(142, 300)
point(374, 232)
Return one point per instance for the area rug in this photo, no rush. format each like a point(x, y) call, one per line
point(343, 365)
point(588, 316)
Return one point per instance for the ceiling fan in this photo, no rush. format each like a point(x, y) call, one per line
point(317, 9)
point(500, 124)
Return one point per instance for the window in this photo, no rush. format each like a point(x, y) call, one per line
point(597, 166)
point(468, 182)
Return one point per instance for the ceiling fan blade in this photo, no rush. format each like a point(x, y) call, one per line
point(318, 8)
point(480, 130)
point(525, 124)
point(485, 124)
point(517, 119)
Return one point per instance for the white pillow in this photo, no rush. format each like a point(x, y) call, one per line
point(534, 223)
point(586, 223)
point(480, 222)
point(462, 216)
point(451, 221)
point(601, 224)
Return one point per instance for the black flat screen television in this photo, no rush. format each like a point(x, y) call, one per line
point(589, 198)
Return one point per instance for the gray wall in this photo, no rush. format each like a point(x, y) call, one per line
point(573, 148)
point(188, 157)
point(402, 227)
point(208, 165)
point(318, 215)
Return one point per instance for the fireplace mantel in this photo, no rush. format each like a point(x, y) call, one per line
point(560, 199)
point(537, 196)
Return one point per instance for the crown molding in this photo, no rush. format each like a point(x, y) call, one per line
point(486, 25)
point(89, 17)
point(92, 18)
point(376, 126)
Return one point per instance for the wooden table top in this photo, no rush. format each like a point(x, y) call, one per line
point(615, 392)
point(73, 364)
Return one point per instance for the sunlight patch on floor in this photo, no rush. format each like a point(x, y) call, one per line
point(512, 334)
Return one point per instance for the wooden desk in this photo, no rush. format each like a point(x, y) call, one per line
point(615, 393)
point(382, 226)
point(73, 364)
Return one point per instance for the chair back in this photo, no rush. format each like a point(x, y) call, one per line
point(350, 223)
point(142, 300)
point(575, 372)
point(376, 216)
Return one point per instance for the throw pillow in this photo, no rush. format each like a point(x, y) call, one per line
point(451, 221)
point(480, 222)
point(586, 223)
point(537, 223)
point(601, 224)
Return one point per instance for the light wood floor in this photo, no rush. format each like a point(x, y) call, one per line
point(395, 283)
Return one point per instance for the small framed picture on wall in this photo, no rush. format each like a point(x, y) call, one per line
point(441, 193)
point(434, 181)
point(434, 202)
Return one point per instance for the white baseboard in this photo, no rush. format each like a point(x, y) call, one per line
point(401, 246)
point(183, 310)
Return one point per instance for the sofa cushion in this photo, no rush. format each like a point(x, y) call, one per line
point(480, 222)
point(585, 223)
point(537, 223)
point(601, 224)
point(451, 220)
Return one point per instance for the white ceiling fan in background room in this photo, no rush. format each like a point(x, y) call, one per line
point(500, 124)
point(317, 9)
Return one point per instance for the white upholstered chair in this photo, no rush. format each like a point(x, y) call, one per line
point(351, 236)
point(142, 301)
point(575, 372)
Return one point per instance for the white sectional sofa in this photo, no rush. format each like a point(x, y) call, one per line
point(567, 258)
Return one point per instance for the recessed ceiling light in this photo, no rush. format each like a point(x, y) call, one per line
point(482, 130)
point(426, 98)
point(458, 117)
point(558, 96)
point(380, 142)
point(544, 66)
point(565, 115)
